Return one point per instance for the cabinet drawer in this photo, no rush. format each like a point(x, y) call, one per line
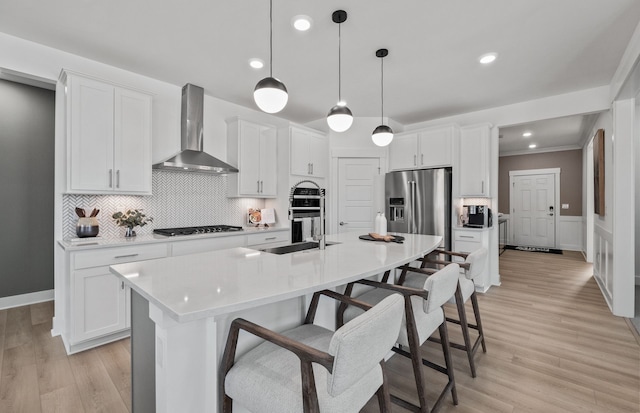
point(468, 236)
point(206, 244)
point(110, 256)
point(268, 237)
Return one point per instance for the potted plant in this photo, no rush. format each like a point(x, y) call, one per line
point(131, 219)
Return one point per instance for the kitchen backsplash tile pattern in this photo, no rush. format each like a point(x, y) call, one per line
point(179, 200)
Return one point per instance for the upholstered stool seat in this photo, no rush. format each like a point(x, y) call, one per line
point(471, 268)
point(312, 369)
point(423, 315)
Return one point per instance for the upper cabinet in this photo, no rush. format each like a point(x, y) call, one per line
point(252, 148)
point(474, 160)
point(108, 137)
point(309, 152)
point(428, 148)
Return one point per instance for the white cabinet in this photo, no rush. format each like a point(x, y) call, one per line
point(252, 148)
point(474, 160)
point(427, 148)
point(194, 246)
point(98, 305)
point(468, 240)
point(309, 152)
point(108, 137)
point(268, 239)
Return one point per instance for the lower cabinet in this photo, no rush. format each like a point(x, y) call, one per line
point(467, 241)
point(99, 303)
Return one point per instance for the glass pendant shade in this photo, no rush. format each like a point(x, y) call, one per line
point(382, 135)
point(270, 95)
point(339, 118)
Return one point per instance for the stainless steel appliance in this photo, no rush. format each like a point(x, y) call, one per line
point(306, 213)
point(477, 216)
point(207, 229)
point(192, 158)
point(419, 202)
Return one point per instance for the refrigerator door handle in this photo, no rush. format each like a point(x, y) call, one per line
point(412, 223)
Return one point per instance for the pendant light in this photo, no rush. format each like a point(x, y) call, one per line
point(382, 135)
point(339, 117)
point(270, 94)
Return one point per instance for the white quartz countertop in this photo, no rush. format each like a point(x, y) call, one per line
point(196, 286)
point(91, 243)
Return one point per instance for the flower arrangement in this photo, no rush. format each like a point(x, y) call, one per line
point(131, 219)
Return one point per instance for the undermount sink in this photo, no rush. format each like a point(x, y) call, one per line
point(298, 246)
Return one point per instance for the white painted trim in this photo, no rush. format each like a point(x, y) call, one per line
point(542, 150)
point(556, 207)
point(26, 299)
point(535, 171)
point(570, 233)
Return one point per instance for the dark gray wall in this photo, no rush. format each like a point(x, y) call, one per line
point(26, 188)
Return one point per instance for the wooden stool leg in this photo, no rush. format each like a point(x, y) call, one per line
point(446, 349)
point(465, 330)
point(476, 313)
point(416, 358)
point(384, 397)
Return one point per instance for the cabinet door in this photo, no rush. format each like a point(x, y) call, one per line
point(249, 162)
point(299, 152)
point(318, 155)
point(403, 152)
point(474, 161)
point(435, 147)
point(132, 142)
point(99, 301)
point(90, 118)
point(268, 163)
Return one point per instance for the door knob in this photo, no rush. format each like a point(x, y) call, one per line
point(343, 223)
point(551, 214)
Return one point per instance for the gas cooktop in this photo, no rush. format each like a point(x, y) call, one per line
point(170, 232)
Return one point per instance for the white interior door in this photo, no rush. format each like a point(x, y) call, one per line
point(357, 191)
point(533, 210)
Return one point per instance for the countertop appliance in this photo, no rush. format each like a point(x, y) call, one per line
point(306, 212)
point(171, 232)
point(477, 216)
point(419, 202)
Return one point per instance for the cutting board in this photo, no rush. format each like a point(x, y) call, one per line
point(396, 238)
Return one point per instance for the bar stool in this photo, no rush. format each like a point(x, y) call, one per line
point(472, 266)
point(311, 369)
point(423, 316)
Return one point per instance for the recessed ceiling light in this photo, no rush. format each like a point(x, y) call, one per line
point(301, 23)
point(533, 145)
point(487, 58)
point(527, 134)
point(256, 63)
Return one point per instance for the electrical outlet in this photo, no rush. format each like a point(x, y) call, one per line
point(565, 206)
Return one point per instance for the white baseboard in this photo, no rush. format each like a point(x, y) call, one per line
point(26, 299)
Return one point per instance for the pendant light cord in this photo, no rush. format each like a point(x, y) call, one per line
point(382, 90)
point(270, 38)
point(339, 63)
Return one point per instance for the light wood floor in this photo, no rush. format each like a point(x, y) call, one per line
point(553, 346)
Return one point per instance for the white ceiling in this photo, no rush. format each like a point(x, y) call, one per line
point(545, 48)
point(553, 134)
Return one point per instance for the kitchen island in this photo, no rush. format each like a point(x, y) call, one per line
point(183, 306)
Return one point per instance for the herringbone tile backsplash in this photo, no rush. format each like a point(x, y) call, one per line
point(179, 200)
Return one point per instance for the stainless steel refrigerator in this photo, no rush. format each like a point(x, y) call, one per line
point(419, 202)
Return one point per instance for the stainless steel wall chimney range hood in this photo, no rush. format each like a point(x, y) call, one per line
point(192, 158)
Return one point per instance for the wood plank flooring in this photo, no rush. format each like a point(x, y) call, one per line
point(552, 346)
